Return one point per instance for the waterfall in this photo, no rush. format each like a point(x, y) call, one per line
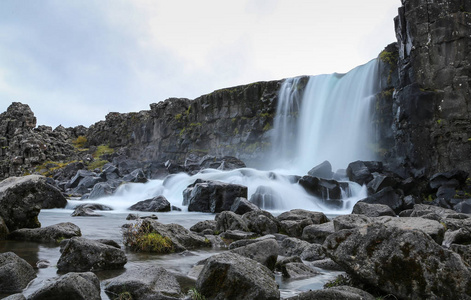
point(327, 118)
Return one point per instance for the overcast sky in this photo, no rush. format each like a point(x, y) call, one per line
point(75, 61)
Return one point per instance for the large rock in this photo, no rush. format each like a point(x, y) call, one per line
point(51, 234)
point(390, 197)
point(3, 230)
point(405, 263)
point(334, 293)
point(322, 170)
point(361, 172)
point(242, 205)
point(372, 210)
point(15, 273)
point(265, 197)
point(21, 199)
point(293, 222)
point(317, 233)
point(81, 255)
point(71, 286)
point(212, 196)
point(261, 222)
point(182, 239)
point(433, 228)
point(323, 188)
point(227, 220)
point(144, 282)
point(303, 249)
point(264, 251)
point(231, 276)
point(156, 204)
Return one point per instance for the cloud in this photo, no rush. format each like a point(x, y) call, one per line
point(75, 61)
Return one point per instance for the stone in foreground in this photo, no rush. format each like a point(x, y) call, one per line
point(71, 286)
point(15, 273)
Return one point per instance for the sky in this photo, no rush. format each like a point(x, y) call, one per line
point(75, 61)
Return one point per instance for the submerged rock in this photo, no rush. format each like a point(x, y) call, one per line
point(51, 234)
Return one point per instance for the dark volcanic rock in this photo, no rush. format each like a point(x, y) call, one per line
point(372, 210)
point(266, 198)
point(261, 222)
point(323, 170)
point(231, 276)
point(361, 172)
point(334, 293)
point(82, 255)
point(72, 286)
point(426, 269)
point(145, 282)
point(51, 234)
point(264, 251)
point(15, 273)
point(241, 206)
point(322, 188)
point(293, 222)
point(157, 204)
point(390, 197)
point(21, 199)
point(212, 196)
point(227, 220)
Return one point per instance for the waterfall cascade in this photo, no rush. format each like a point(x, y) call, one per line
point(327, 118)
point(319, 118)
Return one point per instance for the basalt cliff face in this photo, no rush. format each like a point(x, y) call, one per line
point(229, 122)
point(424, 111)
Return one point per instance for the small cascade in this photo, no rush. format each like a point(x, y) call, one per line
point(327, 120)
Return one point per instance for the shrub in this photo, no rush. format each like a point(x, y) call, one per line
point(80, 142)
point(102, 150)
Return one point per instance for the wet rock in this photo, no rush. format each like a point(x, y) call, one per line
point(235, 235)
point(264, 251)
point(427, 270)
point(261, 222)
point(15, 273)
point(372, 210)
point(317, 233)
point(266, 198)
point(322, 188)
point(381, 181)
point(136, 176)
point(322, 170)
point(204, 225)
point(231, 276)
point(156, 204)
point(15, 297)
point(3, 230)
point(100, 190)
point(293, 222)
point(326, 264)
point(361, 171)
point(50, 234)
point(294, 268)
point(390, 197)
point(212, 196)
point(70, 286)
point(21, 199)
point(80, 255)
point(85, 210)
point(224, 163)
point(242, 205)
point(227, 220)
point(334, 293)
point(79, 176)
point(144, 282)
point(182, 238)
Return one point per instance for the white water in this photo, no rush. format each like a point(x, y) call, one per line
point(329, 120)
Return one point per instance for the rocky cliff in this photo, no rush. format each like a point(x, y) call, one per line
point(426, 101)
point(233, 121)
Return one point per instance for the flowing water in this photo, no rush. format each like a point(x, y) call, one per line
point(327, 120)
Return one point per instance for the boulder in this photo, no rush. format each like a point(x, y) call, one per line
point(17, 296)
point(241, 206)
point(463, 207)
point(227, 220)
point(50, 234)
point(381, 181)
point(144, 282)
point(85, 210)
point(136, 176)
point(326, 264)
point(21, 199)
point(204, 226)
point(261, 222)
point(182, 239)
point(156, 204)
point(334, 293)
point(294, 268)
point(110, 172)
point(303, 249)
point(81, 255)
point(293, 222)
point(460, 236)
point(264, 251)
point(372, 210)
point(15, 273)
point(322, 170)
point(351, 221)
point(232, 276)
point(390, 197)
point(323, 188)
point(454, 178)
point(317, 233)
point(406, 263)
point(464, 251)
point(266, 198)
point(361, 171)
point(100, 190)
point(79, 176)
point(431, 227)
point(212, 196)
point(72, 286)
point(236, 235)
point(224, 163)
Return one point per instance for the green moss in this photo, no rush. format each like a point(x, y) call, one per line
point(469, 140)
point(439, 121)
point(196, 295)
point(236, 131)
point(267, 127)
point(79, 142)
point(141, 237)
point(178, 117)
point(102, 150)
point(196, 124)
point(389, 58)
point(97, 164)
